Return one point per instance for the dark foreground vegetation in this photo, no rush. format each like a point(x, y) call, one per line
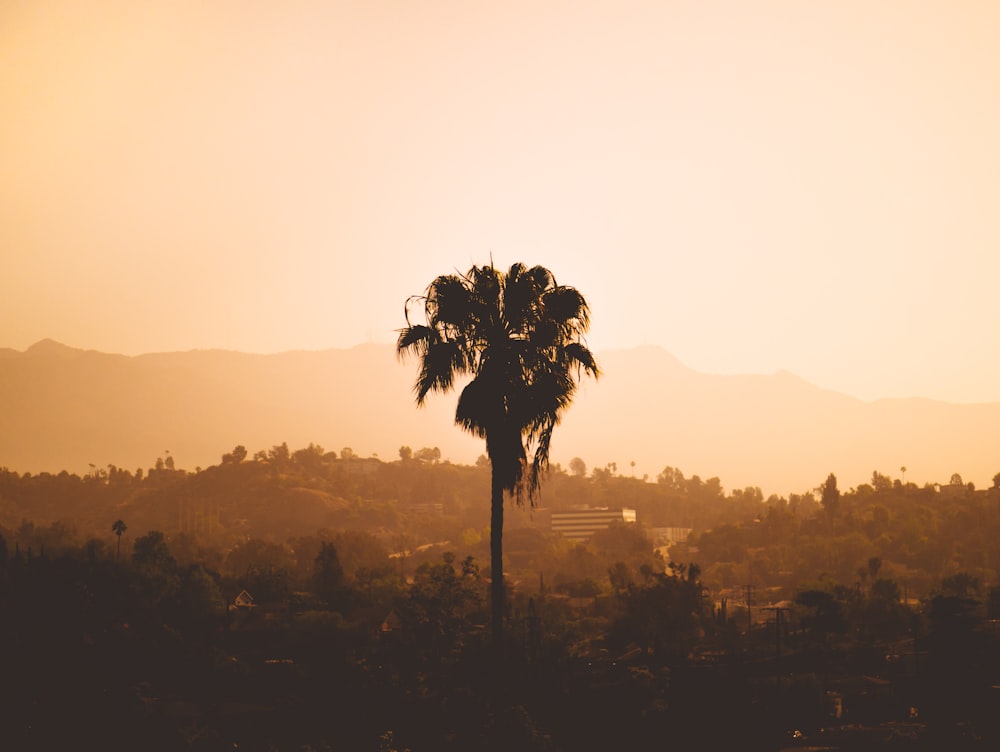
point(310, 600)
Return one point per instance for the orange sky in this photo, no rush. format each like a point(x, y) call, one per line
point(755, 186)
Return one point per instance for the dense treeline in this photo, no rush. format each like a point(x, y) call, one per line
point(918, 534)
point(310, 599)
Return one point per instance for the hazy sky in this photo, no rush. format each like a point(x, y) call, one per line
point(755, 186)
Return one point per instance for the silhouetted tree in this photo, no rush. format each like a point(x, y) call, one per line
point(119, 527)
point(151, 552)
point(823, 614)
point(310, 458)
point(830, 496)
point(438, 604)
point(518, 334)
point(874, 566)
point(428, 454)
point(665, 615)
point(279, 454)
point(235, 457)
point(199, 604)
point(884, 615)
point(328, 575)
point(881, 482)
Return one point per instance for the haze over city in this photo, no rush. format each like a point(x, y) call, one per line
point(754, 187)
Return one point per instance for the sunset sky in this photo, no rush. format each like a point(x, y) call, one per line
point(754, 186)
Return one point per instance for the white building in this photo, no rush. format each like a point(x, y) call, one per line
point(580, 524)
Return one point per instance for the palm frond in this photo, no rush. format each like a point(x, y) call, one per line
point(406, 306)
point(441, 362)
point(567, 306)
point(543, 279)
point(449, 302)
point(413, 340)
point(578, 354)
point(486, 282)
point(520, 301)
point(478, 407)
point(540, 459)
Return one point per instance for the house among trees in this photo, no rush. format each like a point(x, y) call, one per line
point(242, 602)
point(955, 488)
point(392, 622)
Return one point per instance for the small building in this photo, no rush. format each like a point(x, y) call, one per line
point(668, 536)
point(243, 601)
point(580, 524)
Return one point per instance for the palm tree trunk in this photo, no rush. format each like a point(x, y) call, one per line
point(497, 592)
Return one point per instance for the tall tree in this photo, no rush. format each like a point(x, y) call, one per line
point(830, 496)
point(118, 527)
point(518, 335)
point(328, 574)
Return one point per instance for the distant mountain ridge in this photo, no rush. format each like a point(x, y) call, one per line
point(66, 408)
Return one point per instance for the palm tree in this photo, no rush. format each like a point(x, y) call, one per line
point(519, 337)
point(118, 527)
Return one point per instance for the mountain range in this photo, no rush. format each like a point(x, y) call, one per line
point(67, 408)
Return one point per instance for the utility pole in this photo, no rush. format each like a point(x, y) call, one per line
point(777, 641)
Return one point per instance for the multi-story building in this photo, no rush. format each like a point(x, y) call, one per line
point(580, 524)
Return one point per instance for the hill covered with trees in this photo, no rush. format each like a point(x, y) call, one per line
point(237, 604)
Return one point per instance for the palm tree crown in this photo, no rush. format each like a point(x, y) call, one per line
point(118, 527)
point(518, 335)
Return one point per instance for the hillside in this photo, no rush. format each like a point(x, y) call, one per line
point(65, 408)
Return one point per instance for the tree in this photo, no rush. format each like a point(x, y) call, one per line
point(830, 496)
point(309, 458)
point(328, 575)
point(881, 482)
point(152, 553)
point(874, 565)
point(823, 615)
point(437, 606)
point(578, 467)
point(428, 454)
point(665, 615)
point(118, 527)
point(519, 336)
point(279, 454)
point(236, 456)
